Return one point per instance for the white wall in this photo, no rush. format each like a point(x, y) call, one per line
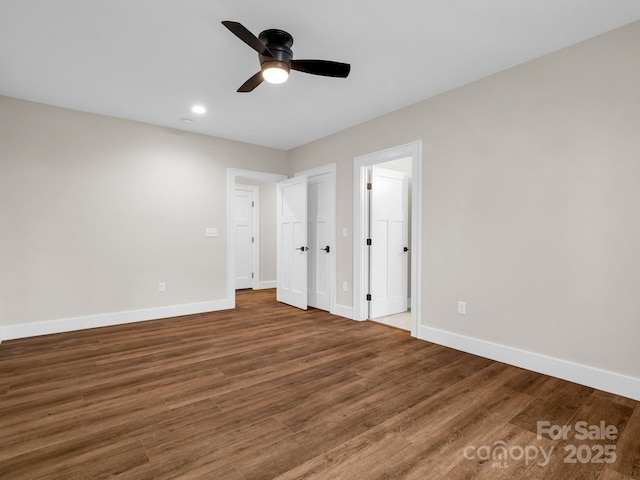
point(530, 200)
point(95, 211)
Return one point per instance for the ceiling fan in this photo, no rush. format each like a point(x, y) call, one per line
point(276, 58)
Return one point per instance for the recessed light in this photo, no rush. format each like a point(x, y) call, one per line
point(199, 109)
point(186, 120)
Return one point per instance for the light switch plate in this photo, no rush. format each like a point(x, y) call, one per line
point(211, 232)
point(462, 308)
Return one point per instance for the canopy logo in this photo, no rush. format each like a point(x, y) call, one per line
point(500, 454)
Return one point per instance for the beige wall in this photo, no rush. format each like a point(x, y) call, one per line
point(95, 211)
point(531, 194)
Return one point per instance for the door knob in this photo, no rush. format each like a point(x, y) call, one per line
point(405, 249)
point(326, 249)
point(303, 249)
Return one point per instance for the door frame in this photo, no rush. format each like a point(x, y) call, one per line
point(232, 173)
point(360, 164)
point(255, 228)
point(330, 169)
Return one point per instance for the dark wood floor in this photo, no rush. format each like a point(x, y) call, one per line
point(268, 391)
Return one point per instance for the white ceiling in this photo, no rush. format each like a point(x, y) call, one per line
point(151, 60)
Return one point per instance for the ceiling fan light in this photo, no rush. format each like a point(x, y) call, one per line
point(275, 74)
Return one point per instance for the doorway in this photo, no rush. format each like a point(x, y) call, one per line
point(412, 152)
point(318, 282)
point(263, 278)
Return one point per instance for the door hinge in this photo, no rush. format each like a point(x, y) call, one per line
point(369, 186)
point(368, 297)
point(253, 240)
point(251, 274)
point(368, 242)
point(253, 204)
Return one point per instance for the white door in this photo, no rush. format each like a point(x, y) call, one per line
point(245, 197)
point(389, 232)
point(320, 243)
point(292, 249)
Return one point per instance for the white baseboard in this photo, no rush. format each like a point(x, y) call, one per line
point(343, 311)
point(573, 372)
point(10, 332)
point(267, 284)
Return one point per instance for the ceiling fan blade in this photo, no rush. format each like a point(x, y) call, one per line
point(247, 37)
point(252, 83)
point(322, 67)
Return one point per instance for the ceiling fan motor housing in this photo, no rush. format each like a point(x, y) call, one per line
point(279, 43)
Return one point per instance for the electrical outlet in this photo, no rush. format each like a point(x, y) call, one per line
point(162, 287)
point(462, 308)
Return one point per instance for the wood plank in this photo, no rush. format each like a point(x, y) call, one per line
point(628, 448)
point(269, 391)
point(556, 403)
point(586, 464)
point(609, 474)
